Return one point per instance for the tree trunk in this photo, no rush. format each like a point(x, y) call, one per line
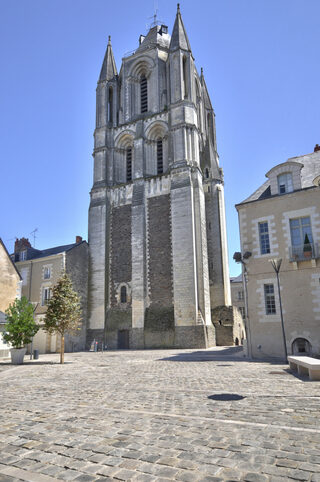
point(62, 349)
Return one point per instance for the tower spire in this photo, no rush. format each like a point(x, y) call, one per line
point(109, 68)
point(179, 38)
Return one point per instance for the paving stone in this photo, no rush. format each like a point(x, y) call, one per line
point(142, 415)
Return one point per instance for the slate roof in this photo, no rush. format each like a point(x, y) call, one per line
point(37, 253)
point(155, 36)
point(310, 170)
point(236, 279)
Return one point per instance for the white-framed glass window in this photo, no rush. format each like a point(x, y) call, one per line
point(285, 183)
point(46, 295)
point(23, 255)
point(47, 272)
point(299, 227)
point(269, 298)
point(264, 237)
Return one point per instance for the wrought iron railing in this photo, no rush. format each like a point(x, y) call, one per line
point(304, 252)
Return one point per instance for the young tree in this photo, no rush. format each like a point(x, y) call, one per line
point(20, 326)
point(64, 312)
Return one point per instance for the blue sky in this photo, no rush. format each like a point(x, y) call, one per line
point(261, 64)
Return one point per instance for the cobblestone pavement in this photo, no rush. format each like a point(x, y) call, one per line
point(157, 415)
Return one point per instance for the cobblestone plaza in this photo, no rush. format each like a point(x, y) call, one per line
point(185, 415)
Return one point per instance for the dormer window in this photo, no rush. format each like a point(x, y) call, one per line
point(285, 183)
point(23, 255)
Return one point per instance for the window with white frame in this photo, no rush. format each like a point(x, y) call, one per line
point(299, 228)
point(47, 272)
point(23, 255)
point(285, 183)
point(269, 298)
point(264, 238)
point(46, 295)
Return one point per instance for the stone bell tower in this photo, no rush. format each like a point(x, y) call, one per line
point(157, 232)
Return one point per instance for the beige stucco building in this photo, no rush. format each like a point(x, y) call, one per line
point(10, 289)
point(40, 270)
point(281, 219)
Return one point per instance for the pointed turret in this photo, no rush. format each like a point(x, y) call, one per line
point(109, 68)
point(179, 38)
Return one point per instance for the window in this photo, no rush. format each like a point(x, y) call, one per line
point(46, 295)
point(123, 294)
point(47, 273)
point(285, 183)
point(299, 228)
point(144, 94)
point(269, 299)
point(129, 163)
point(110, 108)
point(159, 156)
point(207, 173)
point(264, 238)
point(184, 68)
point(23, 255)
point(242, 311)
point(240, 295)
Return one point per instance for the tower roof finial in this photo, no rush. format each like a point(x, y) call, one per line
point(109, 39)
point(178, 7)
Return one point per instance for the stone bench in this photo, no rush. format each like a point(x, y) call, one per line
point(305, 365)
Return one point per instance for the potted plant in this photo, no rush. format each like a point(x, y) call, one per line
point(19, 329)
point(307, 248)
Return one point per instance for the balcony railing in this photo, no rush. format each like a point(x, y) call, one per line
point(301, 253)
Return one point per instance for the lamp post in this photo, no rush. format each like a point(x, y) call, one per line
point(276, 264)
point(239, 258)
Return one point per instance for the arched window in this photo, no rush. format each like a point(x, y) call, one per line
point(123, 294)
point(129, 163)
point(185, 86)
point(159, 156)
point(110, 105)
point(144, 94)
point(206, 172)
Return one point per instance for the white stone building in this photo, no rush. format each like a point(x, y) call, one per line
point(157, 236)
point(281, 219)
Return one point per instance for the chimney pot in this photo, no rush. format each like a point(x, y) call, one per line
point(78, 239)
point(316, 148)
point(21, 244)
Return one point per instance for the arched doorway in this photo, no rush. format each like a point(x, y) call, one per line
point(301, 346)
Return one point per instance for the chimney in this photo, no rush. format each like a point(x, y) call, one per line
point(316, 148)
point(78, 239)
point(21, 244)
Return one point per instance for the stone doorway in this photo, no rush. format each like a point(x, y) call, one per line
point(123, 339)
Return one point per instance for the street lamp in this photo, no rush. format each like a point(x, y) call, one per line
point(239, 258)
point(276, 264)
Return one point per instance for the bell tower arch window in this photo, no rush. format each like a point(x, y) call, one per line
point(143, 94)
point(159, 156)
point(129, 163)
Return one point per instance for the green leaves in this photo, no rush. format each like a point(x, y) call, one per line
point(63, 312)
point(20, 326)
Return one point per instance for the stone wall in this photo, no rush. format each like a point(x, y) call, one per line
point(77, 263)
point(159, 316)
point(228, 325)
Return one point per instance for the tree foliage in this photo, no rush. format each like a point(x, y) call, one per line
point(64, 311)
point(20, 326)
